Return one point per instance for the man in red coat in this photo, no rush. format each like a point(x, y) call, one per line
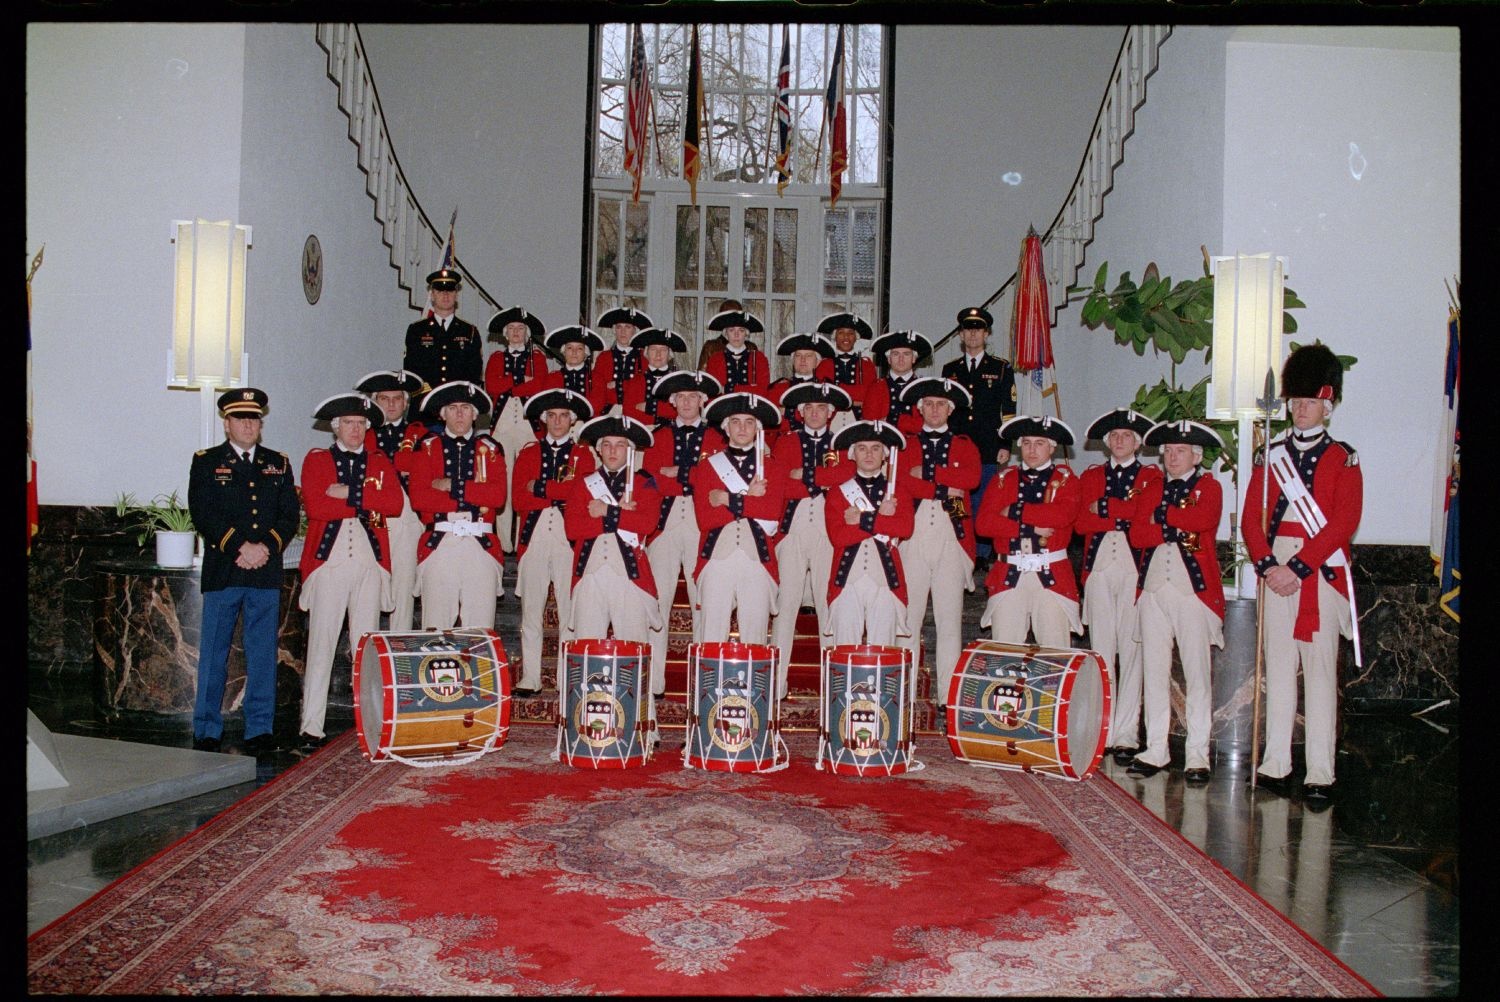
point(349, 491)
point(1181, 594)
point(867, 515)
point(848, 367)
point(1111, 567)
point(902, 352)
point(576, 346)
point(939, 468)
point(458, 485)
point(805, 350)
point(1314, 497)
point(1029, 512)
point(804, 557)
point(673, 549)
point(396, 437)
point(623, 359)
point(541, 481)
point(740, 366)
point(657, 346)
point(738, 496)
point(519, 358)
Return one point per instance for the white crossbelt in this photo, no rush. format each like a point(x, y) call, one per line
point(857, 499)
point(735, 484)
point(465, 528)
point(1035, 562)
point(601, 492)
point(1310, 514)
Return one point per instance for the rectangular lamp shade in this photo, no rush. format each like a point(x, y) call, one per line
point(208, 318)
point(1247, 332)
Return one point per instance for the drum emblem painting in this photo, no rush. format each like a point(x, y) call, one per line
point(442, 678)
point(600, 715)
point(735, 721)
point(865, 726)
point(865, 711)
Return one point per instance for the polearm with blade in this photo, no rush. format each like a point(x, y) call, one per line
point(1267, 404)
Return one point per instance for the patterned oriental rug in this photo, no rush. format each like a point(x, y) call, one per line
point(515, 874)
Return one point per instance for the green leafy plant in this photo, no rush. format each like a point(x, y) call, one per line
point(164, 513)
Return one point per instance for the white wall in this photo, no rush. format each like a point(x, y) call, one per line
point(490, 118)
point(128, 126)
point(1368, 255)
point(971, 103)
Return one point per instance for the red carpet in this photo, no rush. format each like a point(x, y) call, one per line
point(516, 874)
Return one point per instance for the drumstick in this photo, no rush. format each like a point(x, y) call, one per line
point(629, 470)
point(760, 444)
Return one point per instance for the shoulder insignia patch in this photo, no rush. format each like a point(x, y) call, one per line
point(200, 452)
point(1353, 459)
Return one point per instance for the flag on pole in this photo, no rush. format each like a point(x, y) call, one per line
point(637, 113)
point(31, 502)
point(1445, 518)
point(838, 124)
point(1031, 327)
point(784, 112)
point(692, 118)
point(447, 259)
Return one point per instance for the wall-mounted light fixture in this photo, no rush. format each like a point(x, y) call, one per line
point(208, 312)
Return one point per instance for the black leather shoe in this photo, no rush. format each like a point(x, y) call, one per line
point(1139, 768)
point(261, 744)
point(309, 742)
point(1123, 756)
point(524, 693)
point(1196, 777)
point(1279, 785)
point(1317, 794)
point(206, 744)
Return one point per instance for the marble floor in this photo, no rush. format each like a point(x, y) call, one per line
point(1374, 877)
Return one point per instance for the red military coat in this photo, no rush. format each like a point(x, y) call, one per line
point(1338, 487)
point(1092, 526)
point(583, 529)
point(634, 401)
point(1058, 512)
point(787, 452)
point(486, 488)
point(960, 475)
point(381, 495)
point(846, 538)
point(498, 381)
point(759, 369)
point(525, 497)
point(712, 518)
point(1199, 514)
point(865, 377)
point(594, 389)
point(878, 408)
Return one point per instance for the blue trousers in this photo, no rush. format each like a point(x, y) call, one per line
point(986, 473)
point(221, 609)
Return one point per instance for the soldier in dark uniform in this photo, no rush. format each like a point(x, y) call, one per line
point(991, 383)
point(442, 348)
point(243, 499)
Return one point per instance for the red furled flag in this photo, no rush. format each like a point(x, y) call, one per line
point(31, 502)
point(838, 123)
point(691, 162)
point(784, 111)
point(637, 113)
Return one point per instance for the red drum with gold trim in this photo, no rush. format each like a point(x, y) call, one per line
point(865, 712)
point(734, 718)
point(602, 714)
point(431, 698)
point(1034, 709)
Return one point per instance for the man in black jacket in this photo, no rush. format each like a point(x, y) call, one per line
point(991, 383)
point(442, 348)
point(243, 500)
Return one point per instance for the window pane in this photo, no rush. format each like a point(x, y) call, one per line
point(611, 158)
point(606, 244)
point(786, 317)
point(685, 320)
point(757, 308)
point(716, 248)
point(864, 154)
point(754, 276)
point(602, 304)
point(836, 254)
point(637, 227)
point(784, 256)
point(865, 235)
point(687, 247)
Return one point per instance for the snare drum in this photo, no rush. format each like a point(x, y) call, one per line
point(431, 698)
point(1035, 709)
point(602, 718)
point(734, 718)
point(865, 712)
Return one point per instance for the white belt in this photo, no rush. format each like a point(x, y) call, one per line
point(465, 528)
point(1035, 562)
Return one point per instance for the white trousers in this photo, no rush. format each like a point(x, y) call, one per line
point(1109, 612)
point(350, 586)
point(804, 559)
point(546, 564)
point(673, 554)
point(458, 583)
point(1030, 607)
point(736, 582)
point(935, 564)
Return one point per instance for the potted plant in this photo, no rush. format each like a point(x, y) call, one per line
point(169, 519)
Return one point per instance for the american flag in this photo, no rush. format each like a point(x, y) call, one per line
point(691, 163)
point(447, 258)
point(838, 126)
point(784, 111)
point(637, 113)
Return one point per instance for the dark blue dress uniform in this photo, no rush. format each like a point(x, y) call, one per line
point(233, 501)
point(442, 356)
point(991, 383)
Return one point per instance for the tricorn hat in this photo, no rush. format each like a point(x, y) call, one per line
point(736, 318)
point(381, 380)
point(805, 342)
point(574, 333)
point(1037, 425)
point(687, 379)
point(744, 402)
point(348, 405)
point(936, 386)
point(1183, 433)
point(1120, 417)
point(1312, 371)
point(914, 340)
point(459, 391)
point(883, 432)
point(615, 424)
point(814, 392)
point(854, 321)
point(647, 336)
point(625, 315)
point(561, 397)
point(516, 315)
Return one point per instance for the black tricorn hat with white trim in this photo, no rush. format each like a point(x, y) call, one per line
point(1183, 432)
point(1037, 425)
point(561, 397)
point(574, 333)
point(1120, 417)
point(687, 380)
point(389, 379)
point(621, 425)
point(459, 391)
point(915, 340)
point(936, 386)
point(854, 321)
point(883, 432)
point(348, 405)
point(516, 315)
point(743, 402)
point(648, 336)
point(805, 342)
point(736, 318)
point(625, 315)
point(1313, 370)
point(814, 392)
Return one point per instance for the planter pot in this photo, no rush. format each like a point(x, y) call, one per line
point(175, 549)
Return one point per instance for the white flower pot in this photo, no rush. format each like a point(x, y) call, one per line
point(175, 549)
